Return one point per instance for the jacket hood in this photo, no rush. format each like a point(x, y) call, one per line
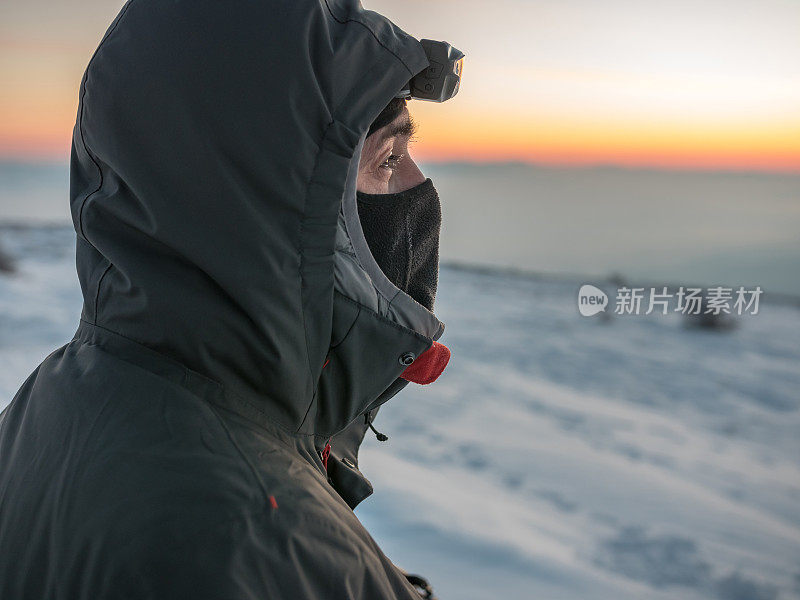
point(213, 172)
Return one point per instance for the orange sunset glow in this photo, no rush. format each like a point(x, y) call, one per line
point(571, 140)
point(569, 83)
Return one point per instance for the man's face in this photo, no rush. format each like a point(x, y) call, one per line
point(386, 167)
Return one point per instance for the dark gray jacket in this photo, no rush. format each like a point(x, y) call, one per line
point(234, 321)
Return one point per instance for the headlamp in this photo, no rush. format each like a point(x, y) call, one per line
point(441, 78)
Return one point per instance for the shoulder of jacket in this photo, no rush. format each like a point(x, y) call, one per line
point(276, 553)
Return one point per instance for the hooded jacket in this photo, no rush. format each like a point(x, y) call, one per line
point(198, 436)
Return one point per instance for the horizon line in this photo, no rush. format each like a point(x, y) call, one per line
point(53, 161)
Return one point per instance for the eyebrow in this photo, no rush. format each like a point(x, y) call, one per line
point(405, 128)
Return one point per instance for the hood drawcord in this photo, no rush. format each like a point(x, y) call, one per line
point(382, 437)
point(421, 585)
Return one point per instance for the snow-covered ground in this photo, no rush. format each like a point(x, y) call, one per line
point(557, 457)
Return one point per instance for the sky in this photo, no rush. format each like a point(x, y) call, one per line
point(711, 85)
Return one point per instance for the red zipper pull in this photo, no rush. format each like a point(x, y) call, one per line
point(325, 454)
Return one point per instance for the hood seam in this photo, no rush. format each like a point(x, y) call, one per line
point(222, 389)
point(99, 284)
point(372, 33)
point(301, 249)
point(80, 120)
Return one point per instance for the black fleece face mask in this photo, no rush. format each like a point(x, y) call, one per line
point(402, 231)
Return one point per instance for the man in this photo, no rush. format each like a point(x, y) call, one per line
point(198, 436)
point(398, 207)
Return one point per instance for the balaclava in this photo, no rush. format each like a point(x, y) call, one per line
point(402, 229)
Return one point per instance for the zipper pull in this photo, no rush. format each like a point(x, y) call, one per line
point(326, 452)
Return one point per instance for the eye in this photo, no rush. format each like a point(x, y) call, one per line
point(392, 161)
